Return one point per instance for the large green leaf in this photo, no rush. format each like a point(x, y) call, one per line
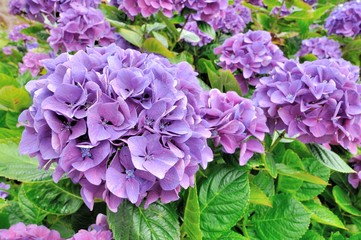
point(10, 135)
point(155, 46)
point(229, 81)
point(265, 182)
point(231, 235)
point(206, 28)
point(329, 158)
point(258, 196)
point(223, 198)
point(270, 164)
point(323, 215)
point(14, 99)
point(62, 198)
point(352, 51)
point(131, 36)
point(343, 200)
point(312, 235)
point(30, 210)
point(301, 175)
point(192, 216)
point(287, 219)
point(18, 167)
point(156, 222)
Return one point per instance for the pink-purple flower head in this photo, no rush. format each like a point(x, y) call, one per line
point(235, 123)
point(355, 178)
point(314, 101)
point(252, 53)
point(281, 11)
point(15, 34)
point(320, 47)
point(123, 124)
point(20, 231)
point(345, 19)
point(33, 62)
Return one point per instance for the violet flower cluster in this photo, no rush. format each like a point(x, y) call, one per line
point(233, 19)
point(315, 101)
point(355, 178)
point(252, 52)
point(15, 34)
point(345, 19)
point(122, 124)
point(3, 190)
point(234, 123)
point(99, 230)
point(33, 62)
point(281, 11)
point(320, 47)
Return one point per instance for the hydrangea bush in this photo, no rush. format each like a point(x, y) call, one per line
point(180, 120)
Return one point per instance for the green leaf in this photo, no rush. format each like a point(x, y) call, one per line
point(344, 201)
point(301, 175)
point(131, 36)
point(30, 210)
point(265, 182)
point(271, 3)
point(18, 167)
point(11, 119)
point(62, 198)
point(312, 235)
point(6, 80)
point(189, 36)
point(155, 46)
point(10, 135)
point(352, 51)
point(8, 69)
point(229, 81)
point(158, 221)
point(231, 235)
point(170, 25)
point(287, 219)
point(204, 64)
point(323, 215)
point(191, 223)
point(16, 214)
point(258, 197)
point(223, 198)
point(161, 39)
point(24, 78)
point(206, 28)
point(329, 158)
point(270, 164)
point(301, 4)
point(302, 15)
point(14, 99)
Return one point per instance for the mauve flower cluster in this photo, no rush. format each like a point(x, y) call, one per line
point(252, 52)
point(320, 47)
point(256, 2)
point(234, 123)
point(192, 26)
point(15, 34)
point(123, 124)
point(20, 231)
point(8, 50)
point(316, 101)
point(233, 20)
point(3, 190)
point(355, 178)
point(281, 11)
point(345, 19)
point(33, 62)
point(78, 27)
point(205, 10)
point(98, 231)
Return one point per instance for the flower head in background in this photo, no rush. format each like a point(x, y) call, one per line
point(235, 123)
point(315, 101)
point(320, 47)
point(8, 50)
point(205, 10)
point(32, 62)
point(345, 19)
point(123, 124)
point(32, 231)
point(3, 190)
point(252, 52)
point(15, 35)
point(281, 11)
point(355, 178)
point(99, 230)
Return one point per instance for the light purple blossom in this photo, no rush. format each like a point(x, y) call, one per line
point(15, 34)
point(205, 10)
point(281, 11)
point(320, 47)
point(315, 101)
point(122, 124)
point(8, 50)
point(98, 231)
point(355, 178)
point(235, 123)
point(32, 62)
point(256, 2)
point(32, 231)
point(252, 52)
point(3, 190)
point(345, 19)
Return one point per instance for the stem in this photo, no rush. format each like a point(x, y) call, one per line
point(274, 145)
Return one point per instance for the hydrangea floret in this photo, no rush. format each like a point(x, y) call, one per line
point(320, 47)
point(33, 62)
point(345, 19)
point(315, 101)
point(252, 52)
point(235, 123)
point(122, 124)
point(3, 190)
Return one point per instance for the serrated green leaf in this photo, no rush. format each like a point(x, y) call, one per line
point(18, 167)
point(16, 214)
point(155, 46)
point(344, 202)
point(31, 211)
point(10, 135)
point(232, 235)
point(270, 164)
point(189, 36)
point(158, 221)
point(24, 78)
point(131, 36)
point(257, 196)
point(6, 80)
point(223, 198)
point(352, 51)
point(14, 99)
point(11, 119)
point(8, 69)
point(206, 28)
point(312, 235)
point(323, 215)
point(192, 216)
point(265, 182)
point(287, 219)
point(298, 174)
point(329, 158)
point(62, 198)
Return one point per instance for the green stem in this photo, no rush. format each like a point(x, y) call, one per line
point(274, 145)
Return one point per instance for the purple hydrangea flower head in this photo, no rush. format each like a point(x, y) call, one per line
point(256, 2)
point(252, 52)
point(99, 230)
point(192, 26)
point(355, 178)
point(320, 47)
point(345, 19)
point(15, 35)
point(310, 2)
point(8, 50)
point(233, 20)
point(3, 190)
point(206, 10)
point(32, 231)
point(235, 123)
point(122, 124)
point(80, 27)
point(281, 11)
point(145, 7)
point(315, 101)
point(16, 7)
point(32, 62)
